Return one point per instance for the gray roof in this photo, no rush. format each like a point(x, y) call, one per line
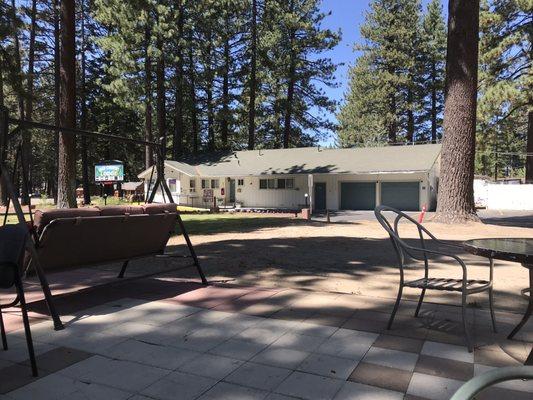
point(310, 160)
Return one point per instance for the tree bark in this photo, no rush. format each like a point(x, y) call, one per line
point(253, 78)
point(161, 101)
point(224, 126)
point(456, 194)
point(66, 196)
point(529, 158)
point(287, 125)
point(26, 134)
point(148, 135)
point(433, 102)
point(393, 126)
point(192, 88)
point(3, 191)
point(57, 79)
point(177, 139)
point(410, 117)
point(83, 109)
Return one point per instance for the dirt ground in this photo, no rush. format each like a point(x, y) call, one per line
point(351, 257)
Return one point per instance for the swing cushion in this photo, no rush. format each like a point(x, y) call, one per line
point(95, 239)
point(7, 275)
point(44, 217)
point(159, 208)
point(120, 210)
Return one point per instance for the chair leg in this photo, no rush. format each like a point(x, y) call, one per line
point(465, 327)
point(26, 323)
point(491, 306)
point(420, 300)
point(123, 269)
point(3, 331)
point(396, 305)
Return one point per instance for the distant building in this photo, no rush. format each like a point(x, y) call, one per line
point(403, 177)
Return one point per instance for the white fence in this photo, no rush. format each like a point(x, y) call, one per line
point(503, 197)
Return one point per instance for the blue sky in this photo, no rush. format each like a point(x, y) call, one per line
point(346, 15)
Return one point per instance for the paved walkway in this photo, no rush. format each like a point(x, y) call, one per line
point(162, 338)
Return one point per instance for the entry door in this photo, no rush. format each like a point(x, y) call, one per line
point(232, 191)
point(320, 196)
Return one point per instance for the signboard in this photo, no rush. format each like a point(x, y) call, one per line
point(109, 171)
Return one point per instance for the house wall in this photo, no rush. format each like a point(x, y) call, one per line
point(250, 195)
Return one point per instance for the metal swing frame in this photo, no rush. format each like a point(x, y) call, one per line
point(6, 137)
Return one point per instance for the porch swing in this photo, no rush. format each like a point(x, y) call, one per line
point(70, 238)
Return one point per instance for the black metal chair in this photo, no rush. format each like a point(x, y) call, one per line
point(403, 251)
point(13, 239)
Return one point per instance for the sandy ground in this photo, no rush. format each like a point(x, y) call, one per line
point(351, 257)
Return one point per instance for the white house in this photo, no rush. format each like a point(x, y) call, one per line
point(403, 177)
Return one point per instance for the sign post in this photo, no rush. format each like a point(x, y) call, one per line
point(310, 185)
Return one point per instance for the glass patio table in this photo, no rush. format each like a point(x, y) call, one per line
point(510, 249)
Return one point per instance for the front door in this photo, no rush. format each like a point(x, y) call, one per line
point(320, 196)
point(232, 191)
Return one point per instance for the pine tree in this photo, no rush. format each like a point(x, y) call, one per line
point(431, 71)
point(383, 93)
point(455, 201)
point(506, 100)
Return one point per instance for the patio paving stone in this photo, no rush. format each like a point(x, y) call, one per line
point(381, 376)
point(151, 354)
point(357, 391)
point(123, 375)
point(449, 351)
point(432, 387)
point(230, 391)
point(280, 357)
point(238, 349)
point(187, 387)
point(58, 387)
point(391, 358)
point(258, 376)
point(444, 367)
point(309, 386)
point(399, 343)
point(330, 366)
point(298, 341)
point(211, 366)
point(520, 385)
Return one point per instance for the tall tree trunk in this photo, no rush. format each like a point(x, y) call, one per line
point(192, 87)
point(433, 102)
point(57, 79)
point(393, 125)
point(3, 192)
point(66, 196)
point(529, 158)
point(456, 194)
point(26, 134)
point(83, 117)
point(224, 126)
point(177, 139)
point(209, 95)
point(410, 117)
point(253, 78)
point(161, 101)
point(148, 135)
point(20, 98)
point(287, 125)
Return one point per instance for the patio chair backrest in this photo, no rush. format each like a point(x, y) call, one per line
point(400, 246)
point(12, 244)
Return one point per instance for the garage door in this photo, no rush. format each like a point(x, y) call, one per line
point(401, 195)
point(358, 195)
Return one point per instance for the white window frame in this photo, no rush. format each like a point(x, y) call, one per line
point(215, 184)
point(265, 181)
point(240, 182)
point(289, 183)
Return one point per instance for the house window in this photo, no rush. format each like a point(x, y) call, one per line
point(263, 184)
point(240, 182)
point(214, 184)
point(271, 183)
point(192, 186)
point(281, 183)
point(289, 183)
point(172, 185)
point(205, 184)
